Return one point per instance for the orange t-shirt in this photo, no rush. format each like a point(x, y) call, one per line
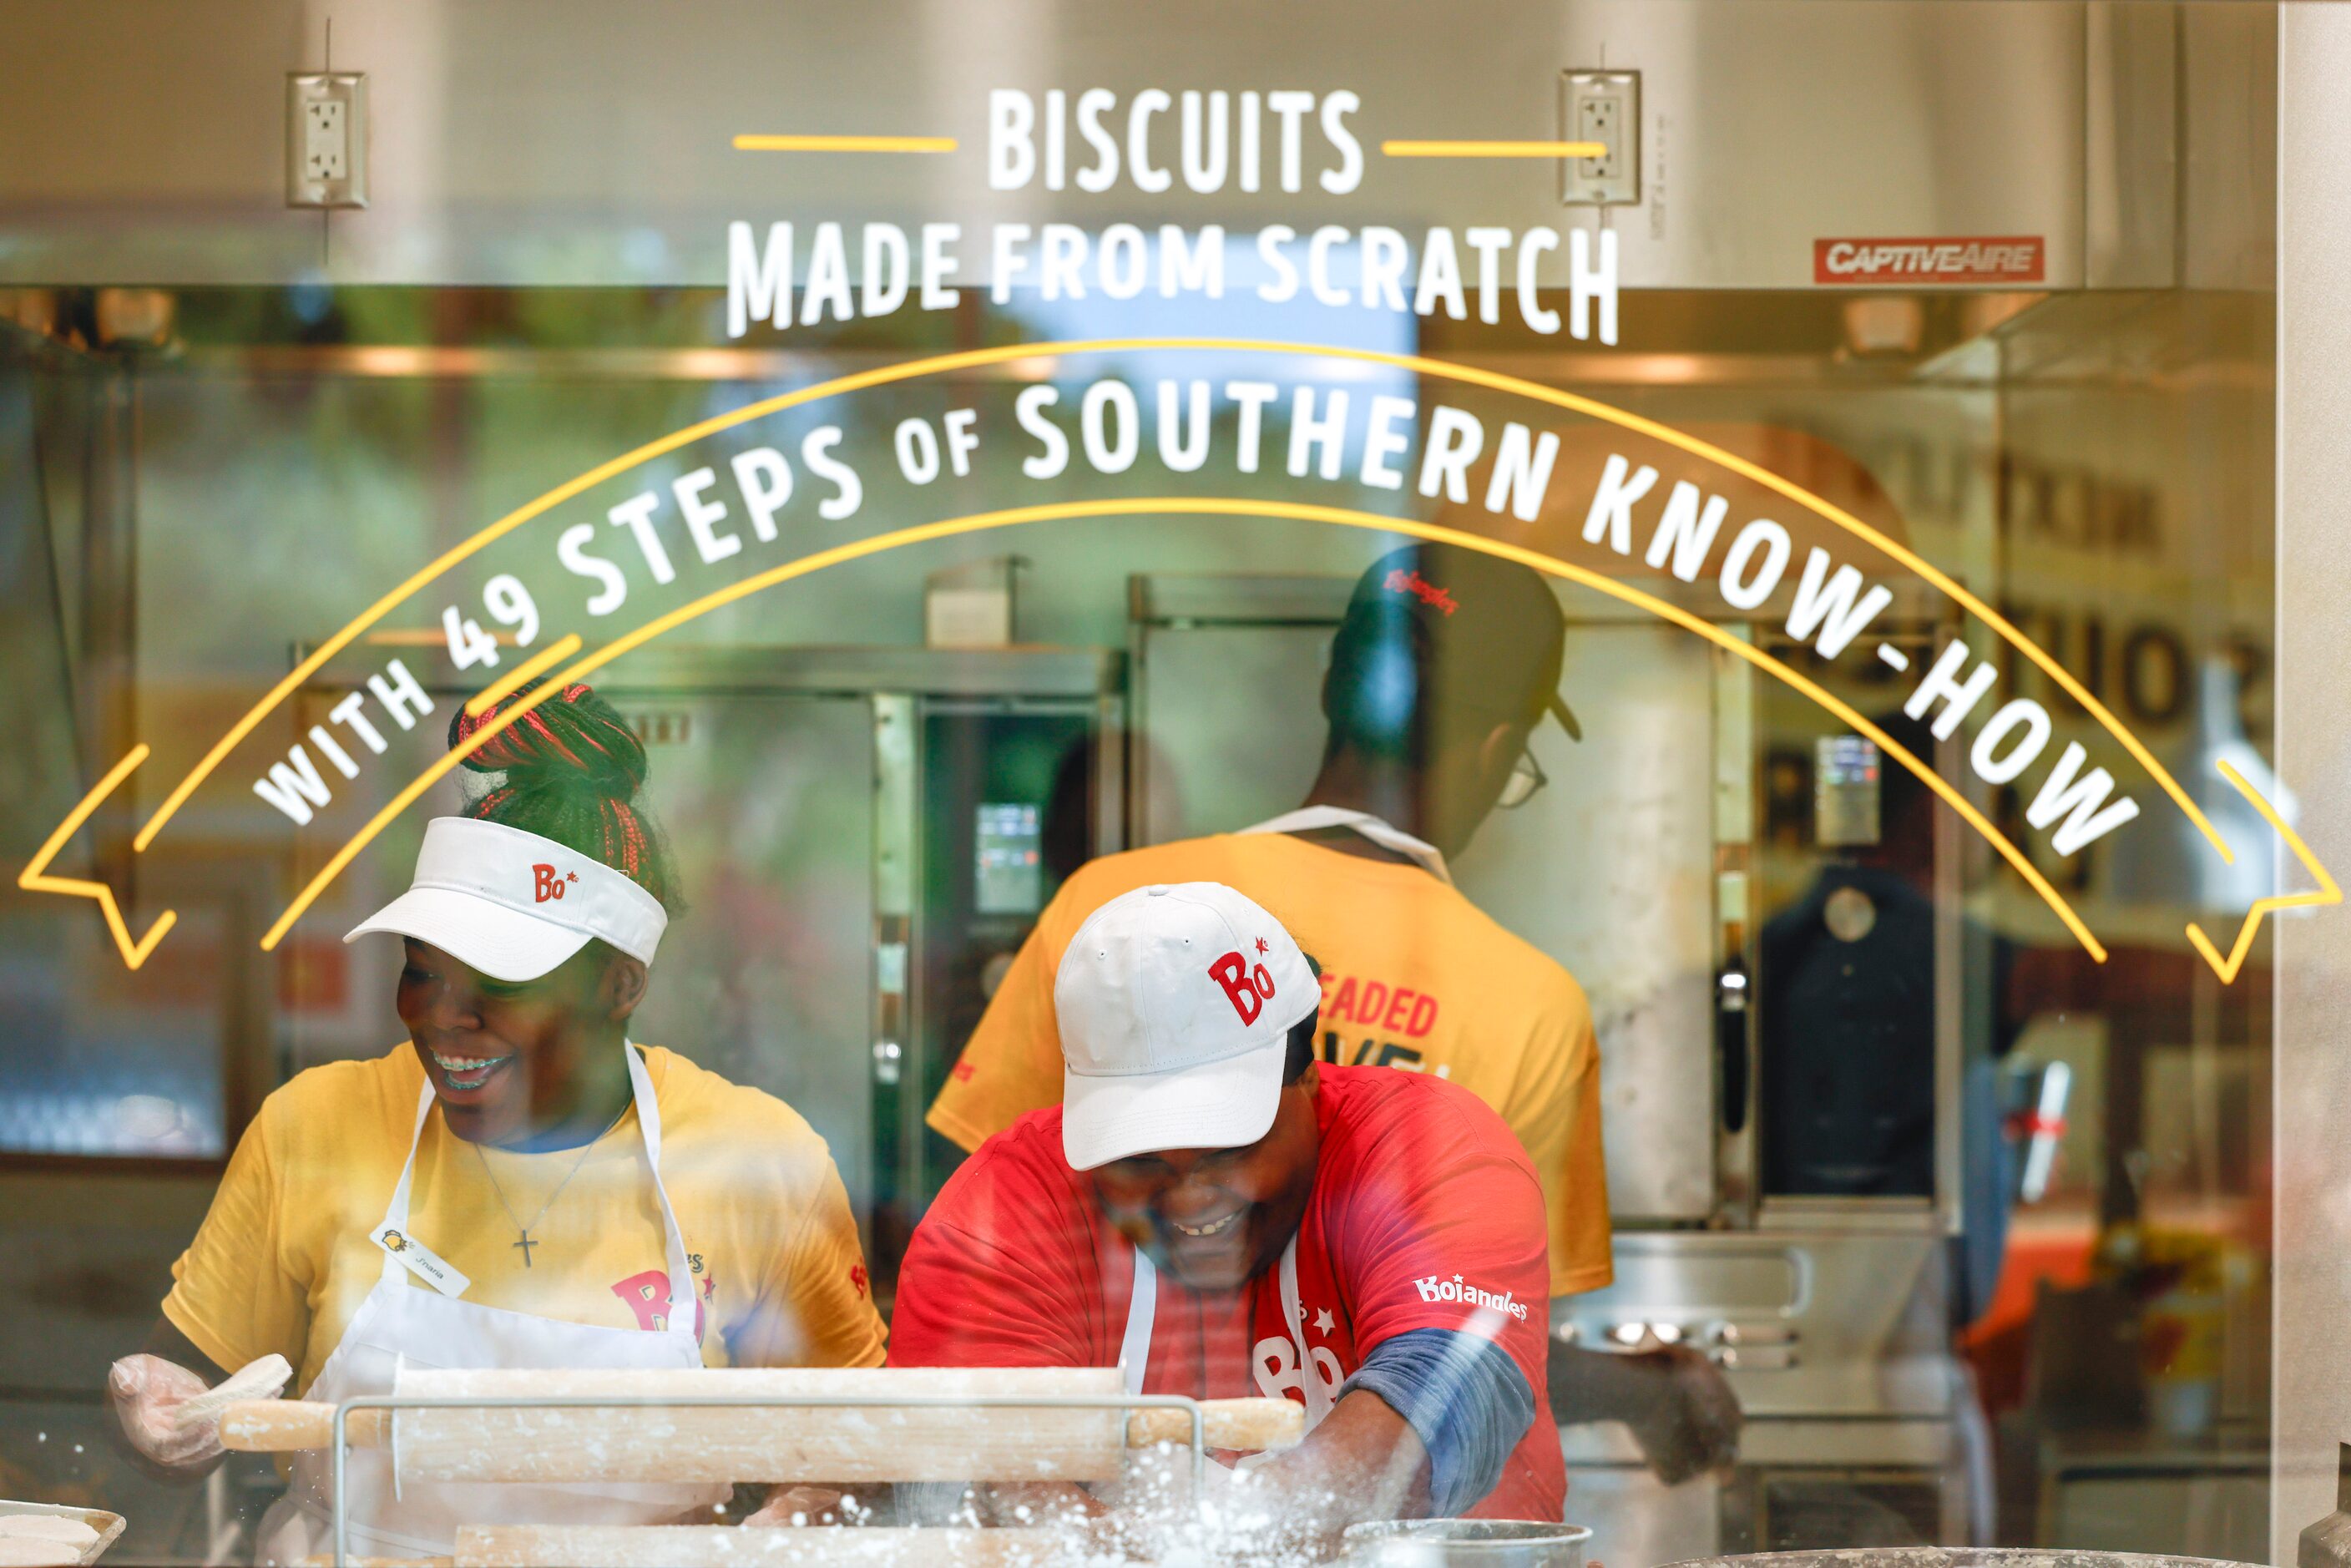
point(1413, 975)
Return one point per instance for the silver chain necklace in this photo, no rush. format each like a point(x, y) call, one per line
point(522, 1230)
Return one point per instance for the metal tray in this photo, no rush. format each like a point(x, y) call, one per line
point(108, 1525)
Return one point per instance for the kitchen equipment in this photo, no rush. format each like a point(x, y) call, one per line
point(781, 1441)
point(1949, 1557)
point(2326, 1542)
point(108, 1525)
point(1465, 1544)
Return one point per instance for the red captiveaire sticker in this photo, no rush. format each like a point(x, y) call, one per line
point(1966, 258)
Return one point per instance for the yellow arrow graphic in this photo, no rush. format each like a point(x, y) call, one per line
point(36, 878)
point(2326, 893)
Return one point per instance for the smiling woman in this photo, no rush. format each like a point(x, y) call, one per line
point(516, 1184)
point(522, 1047)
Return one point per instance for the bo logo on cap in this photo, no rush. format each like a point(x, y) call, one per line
point(1248, 989)
point(545, 885)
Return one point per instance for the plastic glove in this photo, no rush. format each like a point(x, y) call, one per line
point(149, 1395)
point(170, 1415)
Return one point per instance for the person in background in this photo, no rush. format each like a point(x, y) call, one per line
point(1219, 1214)
point(516, 1184)
point(1444, 662)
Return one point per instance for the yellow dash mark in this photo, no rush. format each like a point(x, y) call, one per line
point(844, 144)
point(35, 878)
point(1195, 506)
point(1495, 148)
point(2324, 893)
point(489, 696)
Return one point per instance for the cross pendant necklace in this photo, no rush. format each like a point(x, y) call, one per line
point(522, 1230)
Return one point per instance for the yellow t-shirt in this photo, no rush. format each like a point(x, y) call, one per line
point(283, 1259)
point(1413, 975)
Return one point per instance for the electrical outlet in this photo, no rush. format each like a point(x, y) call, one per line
point(1603, 107)
point(326, 141)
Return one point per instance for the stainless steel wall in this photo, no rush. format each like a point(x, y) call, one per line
point(518, 142)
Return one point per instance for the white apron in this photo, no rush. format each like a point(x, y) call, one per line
point(1308, 818)
point(1142, 1309)
point(402, 1325)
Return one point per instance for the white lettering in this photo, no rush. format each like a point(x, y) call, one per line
point(1011, 151)
point(295, 789)
point(1943, 685)
point(1746, 593)
point(1828, 602)
point(1028, 408)
point(759, 283)
point(1523, 463)
point(1612, 503)
point(1994, 768)
point(2060, 793)
point(1455, 439)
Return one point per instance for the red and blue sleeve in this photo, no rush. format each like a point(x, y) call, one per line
point(1439, 1225)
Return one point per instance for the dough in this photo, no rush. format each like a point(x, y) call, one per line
point(74, 1532)
point(27, 1552)
point(262, 1379)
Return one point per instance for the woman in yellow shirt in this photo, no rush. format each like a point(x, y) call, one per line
point(518, 1185)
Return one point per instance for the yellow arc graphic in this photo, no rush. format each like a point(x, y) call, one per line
point(1195, 506)
point(2326, 891)
point(35, 878)
point(973, 357)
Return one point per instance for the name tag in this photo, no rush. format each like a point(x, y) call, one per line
point(419, 1260)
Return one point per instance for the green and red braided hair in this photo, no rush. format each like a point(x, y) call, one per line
point(570, 770)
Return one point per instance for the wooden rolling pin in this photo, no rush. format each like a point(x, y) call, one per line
point(779, 1442)
point(721, 1546)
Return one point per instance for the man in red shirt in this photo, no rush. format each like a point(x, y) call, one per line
point(1222, 1214)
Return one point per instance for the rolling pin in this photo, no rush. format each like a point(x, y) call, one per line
point(779, 1442)
point(721, 1546)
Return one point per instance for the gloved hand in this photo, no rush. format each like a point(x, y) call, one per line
point(150, 1395)
point(172, 1417)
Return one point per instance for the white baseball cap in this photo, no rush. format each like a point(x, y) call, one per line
point(1175, 1004)
point(515, 905)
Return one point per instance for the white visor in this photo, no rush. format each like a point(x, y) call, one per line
point(514, 904)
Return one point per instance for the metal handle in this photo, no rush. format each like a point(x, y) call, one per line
point(1731, 997)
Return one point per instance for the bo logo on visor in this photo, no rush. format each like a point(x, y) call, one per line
point(545, 885)
point(1248, 991)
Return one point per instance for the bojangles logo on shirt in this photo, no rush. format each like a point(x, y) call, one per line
point(1436, 1288)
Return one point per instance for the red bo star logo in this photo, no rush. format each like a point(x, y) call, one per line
point(1261, 947)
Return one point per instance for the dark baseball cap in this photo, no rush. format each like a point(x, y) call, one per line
point(1484, 634)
